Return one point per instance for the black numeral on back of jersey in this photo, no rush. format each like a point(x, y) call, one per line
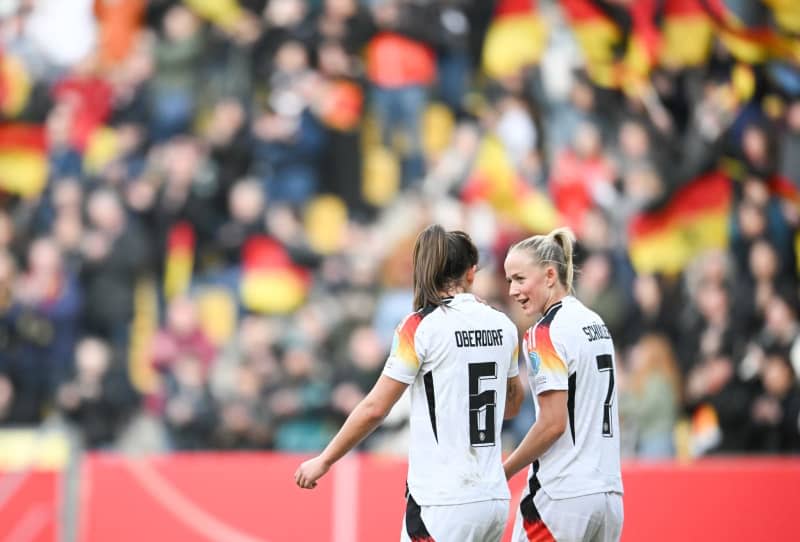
point(605, 364)
point(479, 400)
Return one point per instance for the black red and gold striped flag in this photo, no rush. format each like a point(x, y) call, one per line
point(515, 39)
point(694, 219)
point(271, 282)
point(180, 259)
point(23, 159)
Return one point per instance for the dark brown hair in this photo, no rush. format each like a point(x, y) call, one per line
point(441, 259)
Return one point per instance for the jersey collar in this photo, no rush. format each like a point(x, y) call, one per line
point(554, 307)
point(458, 298)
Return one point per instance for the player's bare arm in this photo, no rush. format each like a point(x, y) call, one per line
point(515, 393)
point(367, 415)
point(551, 422)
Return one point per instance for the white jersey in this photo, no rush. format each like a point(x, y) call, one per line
point(457, 359)
point(570, 349)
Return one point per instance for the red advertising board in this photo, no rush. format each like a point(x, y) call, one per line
point(713, 500)
point(219, 497)
point(29, 505)
point(252, 497)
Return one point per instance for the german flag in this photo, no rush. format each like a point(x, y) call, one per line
point(597, 36)
point(644, 44)
point(493, 177)
point(750, 35)
point(515, 39)
point(271, 283)
point(694, 219)
point(180, 259)
point(494, 180)
point(23, 159)
point(705, 431)
point(15, 86)
point(620, 44)
point(683, 18)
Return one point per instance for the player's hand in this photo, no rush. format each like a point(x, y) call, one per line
point(309, 472)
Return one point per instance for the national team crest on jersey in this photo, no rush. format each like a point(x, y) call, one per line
point(536, 361)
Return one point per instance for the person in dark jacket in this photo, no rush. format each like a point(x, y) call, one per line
point(115, 251)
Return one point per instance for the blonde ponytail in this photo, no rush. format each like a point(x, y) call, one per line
point(564, 238)
point(557, 248)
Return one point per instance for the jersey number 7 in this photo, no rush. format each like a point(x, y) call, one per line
point(481, 400)
point(605, 364)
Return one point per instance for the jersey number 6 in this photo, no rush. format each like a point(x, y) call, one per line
point(480, 400)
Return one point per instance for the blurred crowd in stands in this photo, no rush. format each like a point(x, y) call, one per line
point(208, 207)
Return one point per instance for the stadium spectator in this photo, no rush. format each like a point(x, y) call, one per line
point(115, 252)
point(401, 66)
point(301, 405)
point(97, 398)
point(189, 410)
point(776, 411)
point(177, 63)
point(579, 174)
point(289, 137)
point(182, 336)
point(50, 303)
point(650, 398)
point(713, 383)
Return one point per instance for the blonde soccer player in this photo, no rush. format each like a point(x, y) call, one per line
point(572, 451)
point(459, 358)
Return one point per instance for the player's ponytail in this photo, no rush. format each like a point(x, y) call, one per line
point(430, 257)
point(556, 249)
point(440, 259)
point(564, 238)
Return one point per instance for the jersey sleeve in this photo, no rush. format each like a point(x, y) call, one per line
point(548, 359)
point(404, 359)
point(513, 363)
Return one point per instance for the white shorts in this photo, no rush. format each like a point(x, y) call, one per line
point(589, 518)
point(482, 521)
